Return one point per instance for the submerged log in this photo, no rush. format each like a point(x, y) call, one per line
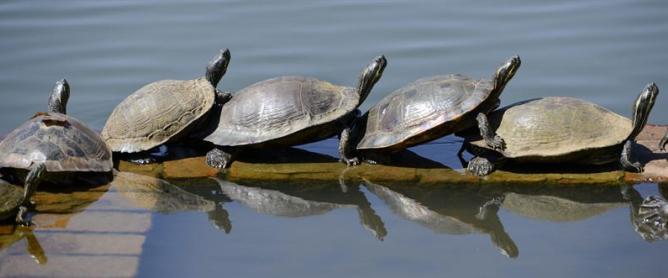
point(299, 165)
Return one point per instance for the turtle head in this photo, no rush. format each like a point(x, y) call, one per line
point(59, 97)
point(506, 72)
point(370, 75)
point(217, 67)
point(642, 107)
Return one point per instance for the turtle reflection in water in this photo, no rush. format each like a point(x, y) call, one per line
point(161, 196)
point(299, 201)
point(560, 204)
point(562, 130)
point(10, 234)
point(449, 210)
point(649, 216)
point(11, 198)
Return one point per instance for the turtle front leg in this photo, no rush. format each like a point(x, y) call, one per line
point(217, 158)
point(480, 166)
point(492, 140)
point(625, 159)
point(346, 148)
point(33, 179)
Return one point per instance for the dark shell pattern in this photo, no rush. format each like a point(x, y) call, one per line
point(63, 143)
point(420, 106)
point(280, 107)
point(157, 112)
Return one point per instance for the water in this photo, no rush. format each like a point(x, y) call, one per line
point(604, 51)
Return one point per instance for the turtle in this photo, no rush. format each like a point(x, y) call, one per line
point(428, 109)
point(12, 197)
point(165, 111)
point(563, 130)
point(53, 146)
point(287, 111)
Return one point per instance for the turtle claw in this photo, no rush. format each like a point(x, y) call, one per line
point(217, 158)
point(143, 161)
point(497, 143)
point(371, 161)
point(635, 167)
point(351, 161)
point(480, 166)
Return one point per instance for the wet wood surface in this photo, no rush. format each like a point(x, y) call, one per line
point(303, 166)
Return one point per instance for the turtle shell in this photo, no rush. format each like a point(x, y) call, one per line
point(156, 113)
point(421, 111)
point(11, 197)
point(556, 127)
point(279, 107)
point(62, 143)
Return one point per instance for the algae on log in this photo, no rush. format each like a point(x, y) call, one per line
point(306, 166)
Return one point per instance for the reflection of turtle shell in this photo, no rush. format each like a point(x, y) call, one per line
point(414, 211)
point(10, 234)
point(554, 208)
point(273, 202)
point(158, 195)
